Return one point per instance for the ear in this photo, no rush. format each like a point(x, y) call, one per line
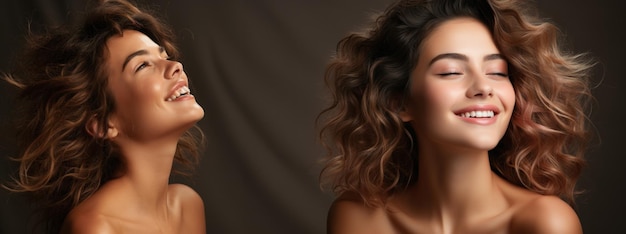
point(399, 103)
point(404, 115)
point(94, 129)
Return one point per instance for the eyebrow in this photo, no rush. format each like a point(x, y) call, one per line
point(463, 57)
point(138, 53)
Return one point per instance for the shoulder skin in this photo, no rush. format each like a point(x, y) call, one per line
point(192, 207)
point(88, 222)
point(546, 214)
point(349, 214)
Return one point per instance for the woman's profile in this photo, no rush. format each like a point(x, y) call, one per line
point(107, 112)
point(455, 117)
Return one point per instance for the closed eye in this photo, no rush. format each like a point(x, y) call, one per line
point(501, 74)
point(450, 74)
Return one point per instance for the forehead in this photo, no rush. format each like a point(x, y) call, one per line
point(459, 35)
point(120, 46)
point(129, 40)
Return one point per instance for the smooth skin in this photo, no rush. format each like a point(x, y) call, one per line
point(145, 128)
point(460, 70)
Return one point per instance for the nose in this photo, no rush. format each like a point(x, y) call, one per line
point(173, 70)
point(480, 87)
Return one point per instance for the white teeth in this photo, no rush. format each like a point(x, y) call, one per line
point(477, 114)
point(182, 91)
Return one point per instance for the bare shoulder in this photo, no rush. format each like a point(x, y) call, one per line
point(86, 222)
point(191, 208)
point(546, 214)
point(349, 214)
point(188, 199)
point(89, 215)
point(184, 193)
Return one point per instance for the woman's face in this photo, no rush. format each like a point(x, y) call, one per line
point(150, 91)
point(460, 97)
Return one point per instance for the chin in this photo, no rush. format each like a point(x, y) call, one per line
point(199, 115)
point(196, 114)
point(481, 143)
point(188, 120)
point(487, 145)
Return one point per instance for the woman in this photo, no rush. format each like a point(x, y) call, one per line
point(455, 117)
point(107, 111)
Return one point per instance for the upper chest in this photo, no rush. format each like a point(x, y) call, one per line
point(497, 224)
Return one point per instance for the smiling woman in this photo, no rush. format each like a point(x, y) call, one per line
point(455, 116)
point(148, 89)
point(460, 95)
point(107, 111)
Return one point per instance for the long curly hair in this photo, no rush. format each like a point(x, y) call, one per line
point(63, 86)
point(369, 148)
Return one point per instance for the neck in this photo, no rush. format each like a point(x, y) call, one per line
point(146, 172)
point(454, 186)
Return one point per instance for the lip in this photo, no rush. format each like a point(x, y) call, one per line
point(481, 107)
point(176, 86)
point(479, 121)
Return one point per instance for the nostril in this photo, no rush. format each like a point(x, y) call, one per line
point(174, 70)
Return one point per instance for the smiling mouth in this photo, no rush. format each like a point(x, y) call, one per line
point(182, 91)
point(477, 114)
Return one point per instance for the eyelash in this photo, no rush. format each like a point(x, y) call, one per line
point(458, 73)
point(501, 74)
point(449, 74)
point(141, 66)
point(145, 63)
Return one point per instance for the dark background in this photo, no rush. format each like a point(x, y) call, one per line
point(256, 66)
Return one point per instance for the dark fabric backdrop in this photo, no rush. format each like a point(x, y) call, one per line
point(256, 66)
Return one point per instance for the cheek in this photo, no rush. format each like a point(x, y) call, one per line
point(139, 93)
point(439, 96)
point(119, 93)
point(150, 90)
point(508, 95)
point(429, 102)
point(128, 99)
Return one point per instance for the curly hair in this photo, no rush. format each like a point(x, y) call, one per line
point(369, 148)
point(63, 87)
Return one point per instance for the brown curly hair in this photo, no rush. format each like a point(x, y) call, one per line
point(63, 86)
point(370, 148)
